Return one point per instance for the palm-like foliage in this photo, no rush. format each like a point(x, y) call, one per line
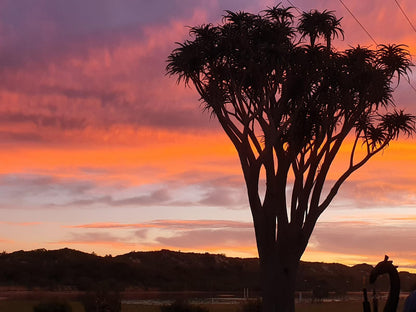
point(396, 123)
point(288, 107)
point(282, 15)
point(315, 24)
point(394, 58)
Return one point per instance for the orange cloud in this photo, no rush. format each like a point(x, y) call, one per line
point(160, 154)
point(407, 218)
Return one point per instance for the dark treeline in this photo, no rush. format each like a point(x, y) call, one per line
point(168, 271)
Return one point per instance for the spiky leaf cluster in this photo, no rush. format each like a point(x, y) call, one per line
point(252, 68)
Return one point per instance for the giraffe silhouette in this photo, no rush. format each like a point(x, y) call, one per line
point(386, 267)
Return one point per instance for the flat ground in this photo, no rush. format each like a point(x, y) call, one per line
point(27, 306)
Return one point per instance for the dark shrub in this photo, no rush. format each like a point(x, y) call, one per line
point(103, 299)
point(250, 306)
point(52, 307)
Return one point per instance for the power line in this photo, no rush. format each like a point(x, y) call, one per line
point(361, 25)
point(405, 15)
point(371, 37)
point(366, 31)
point(295, 7)
point(414, 29)
point(411, 85)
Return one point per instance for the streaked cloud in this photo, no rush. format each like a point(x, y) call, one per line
point(158, 197)
point(207, 239)
point(370, 240)
point(21, 223)
point(94, 239)
point(171, 224)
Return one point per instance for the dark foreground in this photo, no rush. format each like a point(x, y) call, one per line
point(24, 301)
point(27, 306)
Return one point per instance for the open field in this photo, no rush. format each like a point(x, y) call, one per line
point(305, 307)
point(24, 301)
point(27, 306)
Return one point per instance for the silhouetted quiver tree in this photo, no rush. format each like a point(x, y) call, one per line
point(288, 108)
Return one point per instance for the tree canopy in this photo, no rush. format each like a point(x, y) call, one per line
point(278, 98)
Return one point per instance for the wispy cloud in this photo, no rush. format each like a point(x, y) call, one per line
point(365, 238)
point(24, 224)
point(158, 197)
point(206, 239)
point(170, 224)
point(96, 238)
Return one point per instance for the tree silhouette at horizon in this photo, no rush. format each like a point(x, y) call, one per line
point(288, 107)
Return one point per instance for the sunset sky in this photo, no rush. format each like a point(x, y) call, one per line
point(102, 152)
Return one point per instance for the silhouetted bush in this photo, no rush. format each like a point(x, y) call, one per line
point(182, 306)
point(103, 299)
point(52, 307)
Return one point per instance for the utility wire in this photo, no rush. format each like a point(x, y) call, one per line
point(405, 15)
point(366, 31)
point(361, 25)
point(295, 7)
point(414, 29)
point(410, 84)
point(371, 37)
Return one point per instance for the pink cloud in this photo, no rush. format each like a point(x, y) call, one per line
point(365, 238)
point(96, 239)
point(22, 223)
point(123, 81)
point(233, 237)
point(171, 224)
point(109, 85)
point(206, 239)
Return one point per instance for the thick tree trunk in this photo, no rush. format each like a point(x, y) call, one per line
point(278, 275)
point(280, 246)
point(279, 287)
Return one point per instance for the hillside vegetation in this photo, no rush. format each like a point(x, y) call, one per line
point(165, 270)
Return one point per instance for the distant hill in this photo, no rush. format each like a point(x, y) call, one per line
point(168, 270)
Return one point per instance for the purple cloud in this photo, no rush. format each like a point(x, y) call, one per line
point(210, 238)
point(364, 238)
